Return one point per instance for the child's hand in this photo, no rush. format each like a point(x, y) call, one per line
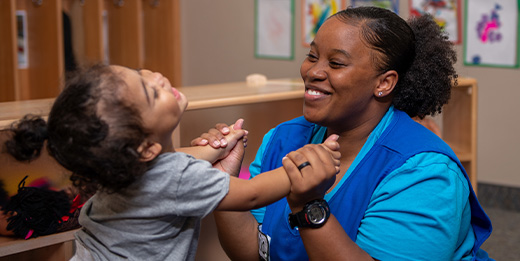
point(312, 180)
point(234, 149)
point(214, 137)
point(236, 136)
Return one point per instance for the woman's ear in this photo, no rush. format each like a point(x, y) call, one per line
point(149, 151)
point(387, 82)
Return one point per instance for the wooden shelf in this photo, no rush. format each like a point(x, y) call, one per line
point(15, 110)
point(199, 97)
point(463, 155)
point(459, 125)
point(11, 246)
point(239, 93)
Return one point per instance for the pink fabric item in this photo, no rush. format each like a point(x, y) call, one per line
point(29, 234)
point(244, 172)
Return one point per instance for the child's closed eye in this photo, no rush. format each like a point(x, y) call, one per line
point(155, 92)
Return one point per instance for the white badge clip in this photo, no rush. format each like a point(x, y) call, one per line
point(263, 244)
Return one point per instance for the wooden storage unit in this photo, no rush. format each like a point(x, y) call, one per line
point(52, 247)
point(125, 33)
point(262, 108)
point(87, 25)
point(136, 34)
point(459, 125)
point(9, 72)
point(44, 31)
point(41, 79)
point(163, 47)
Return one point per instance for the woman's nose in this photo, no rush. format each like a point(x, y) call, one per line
point(316, 71)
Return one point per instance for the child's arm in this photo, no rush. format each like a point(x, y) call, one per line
point(271, 186)
point(236, 137)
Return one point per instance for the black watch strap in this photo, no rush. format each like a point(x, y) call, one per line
point(313, 215)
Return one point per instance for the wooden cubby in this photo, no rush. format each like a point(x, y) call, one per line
point(137, 34)
point(459, 125)
point(41, 79)
point(9, 73)
point(57, 247)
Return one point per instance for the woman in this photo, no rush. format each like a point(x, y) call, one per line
point(401, 193)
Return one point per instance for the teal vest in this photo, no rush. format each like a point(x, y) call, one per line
point(402, 139)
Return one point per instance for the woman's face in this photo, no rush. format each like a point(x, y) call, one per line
point(339, 77)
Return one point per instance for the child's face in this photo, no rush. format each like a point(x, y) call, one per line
point(160, 104)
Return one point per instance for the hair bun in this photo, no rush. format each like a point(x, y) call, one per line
point(29, 135)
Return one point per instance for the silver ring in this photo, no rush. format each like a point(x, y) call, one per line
point(303, 165)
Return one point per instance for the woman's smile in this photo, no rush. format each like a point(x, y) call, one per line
point(315, 94)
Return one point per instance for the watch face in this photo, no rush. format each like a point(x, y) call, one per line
point(313, 215)
point(316, 214)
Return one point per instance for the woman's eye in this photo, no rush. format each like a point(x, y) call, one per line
point(311, 57)
point(335, 64)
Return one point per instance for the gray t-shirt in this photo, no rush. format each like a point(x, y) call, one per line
point(156, 218)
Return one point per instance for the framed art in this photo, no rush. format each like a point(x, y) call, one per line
point(491, 33)
point(314, 13)
point(445, 12)
point(274, 29)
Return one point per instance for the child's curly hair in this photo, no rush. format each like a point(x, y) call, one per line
point(91, 131)
point(418, 51)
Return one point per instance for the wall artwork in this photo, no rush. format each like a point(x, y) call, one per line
point(491, 33)
point(314, 13)
point(388, 4)
point(445, 12)
point(274, 22)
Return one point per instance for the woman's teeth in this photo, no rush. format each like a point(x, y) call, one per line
point(314, 92)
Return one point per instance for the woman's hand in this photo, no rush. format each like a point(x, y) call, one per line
point(312, 181)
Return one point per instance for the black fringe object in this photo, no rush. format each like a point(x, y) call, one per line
point(37, 209)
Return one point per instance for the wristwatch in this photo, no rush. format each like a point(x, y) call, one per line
point(313, 215)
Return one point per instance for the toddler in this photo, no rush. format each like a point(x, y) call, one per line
point(112, 127)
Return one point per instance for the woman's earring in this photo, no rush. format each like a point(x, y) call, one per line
point(380, 93)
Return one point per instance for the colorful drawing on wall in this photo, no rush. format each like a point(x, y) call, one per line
point(22, 46)
point(445, 12)
point(274, 29)
point(491, 33)
point(388, 4)
point(314, 13)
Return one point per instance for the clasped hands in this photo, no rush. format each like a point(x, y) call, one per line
point(311, 169)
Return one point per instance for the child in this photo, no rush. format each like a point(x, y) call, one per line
point(112, 126)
